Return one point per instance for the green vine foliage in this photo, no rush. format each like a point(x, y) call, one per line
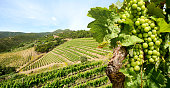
point(107, 29)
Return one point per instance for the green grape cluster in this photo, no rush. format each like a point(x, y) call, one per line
point(137, 59)
point(145, 29)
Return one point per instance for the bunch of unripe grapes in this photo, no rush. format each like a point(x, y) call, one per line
point(145, 29)
point(136, 60)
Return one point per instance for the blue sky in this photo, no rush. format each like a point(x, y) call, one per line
point(47, 15)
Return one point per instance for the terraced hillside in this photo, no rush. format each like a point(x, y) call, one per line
point(82, 75)
point(70, 52)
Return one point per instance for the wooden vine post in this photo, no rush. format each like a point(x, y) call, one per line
point(117, 78)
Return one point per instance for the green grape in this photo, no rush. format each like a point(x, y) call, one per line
point(155, 39)
point(145, 35)
point(146, 50)
point(145, 45)
point(132, 60)
point(154, 52)
point(149, 33)
point(134, 1)
point(141, 52)
point(141, 56)
point(146, 29)
point(152, 25)
point(149, 22)
point(151, 47)
point(138, 9)
point(143, 17)
point(128, 65)
point(150, 52)
point(146, 20)
point(134, 6)
point(140, 35)
point(158, 54)
point(157, 42)
point(123, 16)
point(148, 56)
point(134, 53)
point(137, 23)
point(143, 25)
point(133, 64)
point(137, 63)
point(140, 3)
point(137, 53)
point(142, 21)
point(152, 36)
point(154, 31)
point(149, 39)
point(156, 28)
point(136, 57)
point(143, 7)
point(151, 43)
point(151, 60)
point(134, 31)
point(154, 57)
point(136, 68)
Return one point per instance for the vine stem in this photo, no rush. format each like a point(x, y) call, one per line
point(141, 70)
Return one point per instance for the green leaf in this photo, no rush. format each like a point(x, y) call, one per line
point(164, 27)
point(127, 26)
point(167, 42)
point(99, 13)
point(129, 40)
point(156, 78)
point(119, 4)
point(104, 23)
point(168, 4)
point(155, 11)
point(108, 37)
point(113, 8)
point(157, 2)
point(98, 30)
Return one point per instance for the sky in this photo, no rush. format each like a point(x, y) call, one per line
point(47, 15)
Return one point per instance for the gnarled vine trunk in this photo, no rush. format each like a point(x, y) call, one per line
point(117, 78)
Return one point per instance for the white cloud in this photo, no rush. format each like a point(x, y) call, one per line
point(53, 18)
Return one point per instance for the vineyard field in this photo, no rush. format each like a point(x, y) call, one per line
point(70, 52)
point(89, 74)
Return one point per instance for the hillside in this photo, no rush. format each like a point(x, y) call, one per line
point(72, 73)
point(4, 34)
point(6, 44)
point(70, 53)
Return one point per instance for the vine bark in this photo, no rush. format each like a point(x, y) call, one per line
point(117, 78)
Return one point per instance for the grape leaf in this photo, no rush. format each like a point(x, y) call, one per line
point(103, 24)
point(155, 78)
point(168, 4)
point(129, 40)
point(113, 7)
point(119, 4)
point(164, 27)
point(155, 11)
point(157, 2)
point(98, 30)
point(110, 36)
point(127, 26)
point(167, 42)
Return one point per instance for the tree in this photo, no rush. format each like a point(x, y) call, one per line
point(83, 59)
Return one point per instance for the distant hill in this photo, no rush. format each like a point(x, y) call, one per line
point(4, 34)
point(11, 42)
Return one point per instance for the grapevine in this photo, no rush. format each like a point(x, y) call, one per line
point(141, 26)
